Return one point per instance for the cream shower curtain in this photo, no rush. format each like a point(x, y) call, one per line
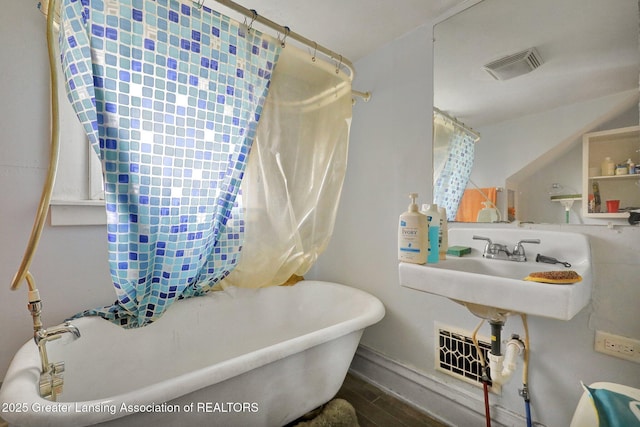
point(296, 168)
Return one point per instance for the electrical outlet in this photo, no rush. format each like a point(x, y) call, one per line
point(617, 346)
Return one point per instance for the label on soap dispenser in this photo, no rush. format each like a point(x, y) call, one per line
point(411, 240)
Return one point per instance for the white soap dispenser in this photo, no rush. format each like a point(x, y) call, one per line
point(413, 239)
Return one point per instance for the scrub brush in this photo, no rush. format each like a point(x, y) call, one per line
point(555, 277)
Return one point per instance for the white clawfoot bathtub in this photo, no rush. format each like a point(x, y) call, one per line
point(239, 357)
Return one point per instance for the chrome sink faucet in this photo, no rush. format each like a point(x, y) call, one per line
point(500, 251)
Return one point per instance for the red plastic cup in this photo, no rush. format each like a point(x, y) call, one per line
point(613, 206)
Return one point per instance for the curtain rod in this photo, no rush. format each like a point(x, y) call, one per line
point(458, 123)
point(286, 31)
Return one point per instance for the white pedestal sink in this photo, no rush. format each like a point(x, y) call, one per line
point(492, 287)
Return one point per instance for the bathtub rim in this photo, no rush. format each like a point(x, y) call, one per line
point(23, 374)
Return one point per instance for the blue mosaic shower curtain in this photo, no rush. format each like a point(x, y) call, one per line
point(452, 180)
point(170, 96)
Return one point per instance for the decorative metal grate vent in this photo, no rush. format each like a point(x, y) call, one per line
point(457, 356)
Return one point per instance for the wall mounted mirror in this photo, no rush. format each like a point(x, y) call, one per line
point(583, 77)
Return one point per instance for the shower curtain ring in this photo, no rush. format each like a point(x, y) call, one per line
point(198, 3)
point(287, 30)
point(253, 19)
point(315, 50)
point(339, 66)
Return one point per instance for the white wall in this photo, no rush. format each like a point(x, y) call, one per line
point(70, 265)
point(389, 154)
point(516, 148)
point(533, 197)
point(530, 153)
point(389, 157)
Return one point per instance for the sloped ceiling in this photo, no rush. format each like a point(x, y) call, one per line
point(353, 28)
point(589, 48)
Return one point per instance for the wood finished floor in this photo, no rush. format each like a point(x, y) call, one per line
point(375, 408)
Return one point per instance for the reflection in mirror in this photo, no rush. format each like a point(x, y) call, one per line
point(582, 58)
point(453, 154)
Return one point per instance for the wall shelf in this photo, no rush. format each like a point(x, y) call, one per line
point(616, 177)
point(609, 215)
point(619, 144)
point(564, 199)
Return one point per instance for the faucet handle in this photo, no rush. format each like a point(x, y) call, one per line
point(57, 368)
point(481, 238)
point(487, 247)
point(519, 244)
point(518, 250)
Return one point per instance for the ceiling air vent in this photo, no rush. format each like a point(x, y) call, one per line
point(514, 65)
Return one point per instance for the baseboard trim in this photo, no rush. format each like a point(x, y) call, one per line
point(451, 405)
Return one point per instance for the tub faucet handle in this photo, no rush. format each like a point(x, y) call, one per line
point(57, 368)
point(52, 381)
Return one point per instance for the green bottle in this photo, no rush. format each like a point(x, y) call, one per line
point(596, 197)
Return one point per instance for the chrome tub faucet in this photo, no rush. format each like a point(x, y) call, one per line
point(51, 376)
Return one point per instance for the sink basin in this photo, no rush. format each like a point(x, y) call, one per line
point(492, 288)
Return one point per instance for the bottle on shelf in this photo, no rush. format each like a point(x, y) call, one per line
point(596, 197)
point(631, 166)
point(608, 167)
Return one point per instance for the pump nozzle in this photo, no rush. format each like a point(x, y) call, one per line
point(413, 207)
